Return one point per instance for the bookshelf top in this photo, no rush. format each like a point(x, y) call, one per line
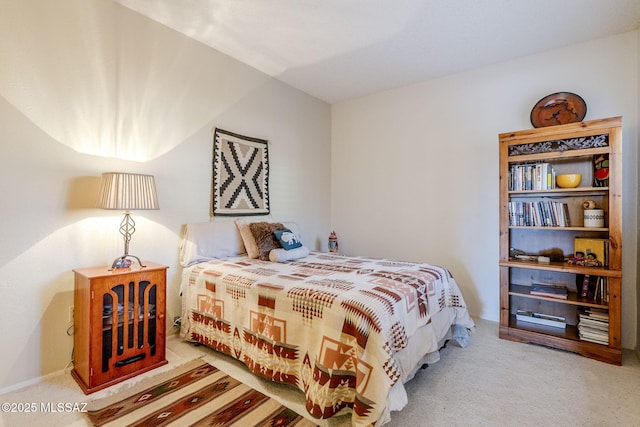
point(592, 127)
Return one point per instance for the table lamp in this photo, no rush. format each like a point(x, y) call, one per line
point(127, 192)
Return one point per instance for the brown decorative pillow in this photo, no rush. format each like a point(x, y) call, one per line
point(247, 238)
point(265, 240)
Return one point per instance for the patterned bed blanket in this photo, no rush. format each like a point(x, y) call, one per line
point(327, 324)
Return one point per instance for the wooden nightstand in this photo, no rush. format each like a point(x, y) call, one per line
point(119, 324)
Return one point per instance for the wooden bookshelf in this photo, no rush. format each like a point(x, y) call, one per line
point(567, 148)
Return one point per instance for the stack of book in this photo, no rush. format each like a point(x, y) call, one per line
point(540, 319)
point(544, 213)
point(547, 290)
point(595, 288)
point(593, 325)
point(532, 176)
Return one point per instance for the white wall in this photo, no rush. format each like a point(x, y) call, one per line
point(638, 213)
point(415, 170)
point(87, 86)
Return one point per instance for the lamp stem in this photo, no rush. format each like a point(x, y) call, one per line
point(127, 228)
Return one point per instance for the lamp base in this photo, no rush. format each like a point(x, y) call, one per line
point(123, 262)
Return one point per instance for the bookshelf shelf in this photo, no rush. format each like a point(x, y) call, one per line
point(563, 339)
point(557, 192)
point(531, 227)
point(571, 148)
point(562, 266)
point(572, 298)
point(570, 332)
point(557, 154)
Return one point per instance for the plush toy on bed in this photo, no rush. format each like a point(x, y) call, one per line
point(287, 239)
point(291, 247)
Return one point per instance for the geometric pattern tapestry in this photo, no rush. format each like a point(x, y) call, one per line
point(240, 184)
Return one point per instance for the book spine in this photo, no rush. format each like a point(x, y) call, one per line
point(565, 209)
point(585, 286)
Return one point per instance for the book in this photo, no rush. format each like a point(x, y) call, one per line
point(595, 313)
point(593, 334)
point(584, 289)
point(532, 176)
point(592, 287)
point(541, 319)
point(546, 290)
point(544, 213)
point(593, 338)
point(595, 252)
point(593, 325)
point(565, 210)
point(601, 291)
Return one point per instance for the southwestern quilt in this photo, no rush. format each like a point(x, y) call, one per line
point(240, 175)
point(327, 324)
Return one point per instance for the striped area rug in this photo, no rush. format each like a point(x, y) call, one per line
point(197, 394)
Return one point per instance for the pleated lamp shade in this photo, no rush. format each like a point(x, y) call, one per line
point(127, 191)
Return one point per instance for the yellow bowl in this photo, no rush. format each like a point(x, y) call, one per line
point(570, 180)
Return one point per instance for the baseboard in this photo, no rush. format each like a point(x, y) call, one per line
point(66, 370)
point(32, 381)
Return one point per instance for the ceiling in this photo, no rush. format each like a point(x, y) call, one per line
point(341, 49)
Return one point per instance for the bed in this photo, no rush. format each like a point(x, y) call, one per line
point(349, 332)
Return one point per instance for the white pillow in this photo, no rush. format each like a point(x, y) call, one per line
point(250, 242)
point(283, 255)
point(203, 241)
